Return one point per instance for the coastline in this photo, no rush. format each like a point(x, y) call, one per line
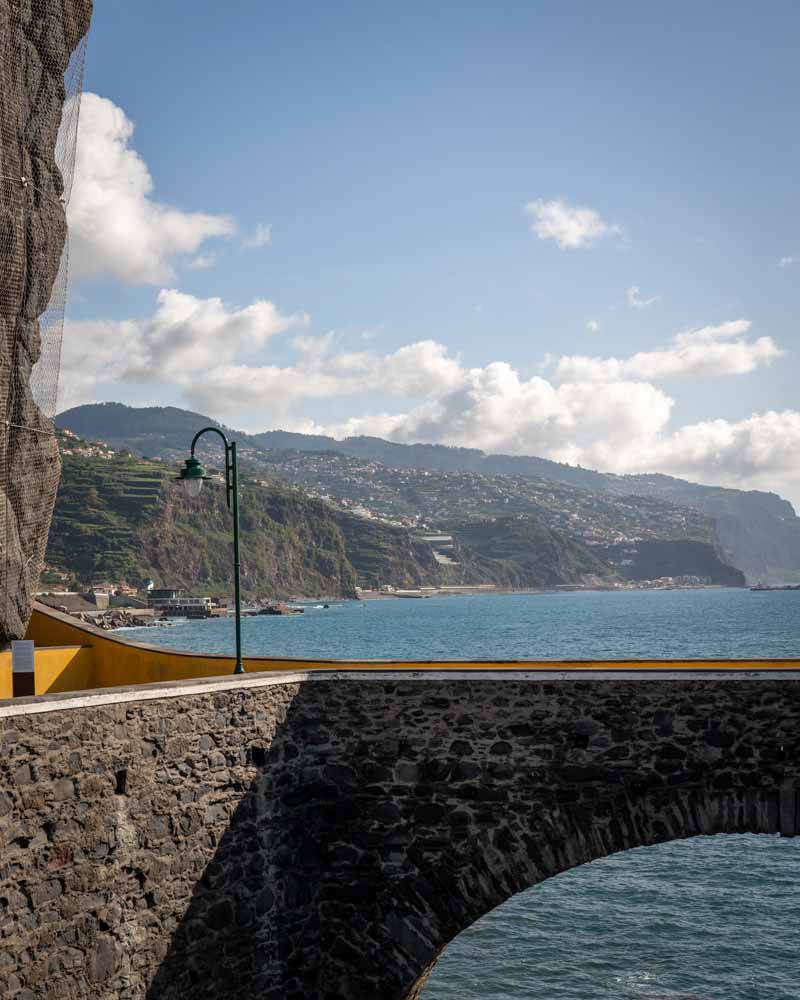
point(487, 589)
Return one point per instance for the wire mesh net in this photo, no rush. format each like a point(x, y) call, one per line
point(42, 46)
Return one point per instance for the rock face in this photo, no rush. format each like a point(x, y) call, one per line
point(37, 39)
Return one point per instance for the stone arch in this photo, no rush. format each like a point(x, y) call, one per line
point(566, 842)
point(387, 813)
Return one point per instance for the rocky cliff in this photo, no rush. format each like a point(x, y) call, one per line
point(122, 518)
point(119, 517)
point(37, 39)
point(756, 532)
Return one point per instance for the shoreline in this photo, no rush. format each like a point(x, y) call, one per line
point(567, 588)
point(424, 593)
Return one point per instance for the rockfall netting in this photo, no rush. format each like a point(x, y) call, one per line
point(42, 44)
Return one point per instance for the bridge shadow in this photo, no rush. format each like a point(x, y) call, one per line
point(252, 927)
point(376, 829)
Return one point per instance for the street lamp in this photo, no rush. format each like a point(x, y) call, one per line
point(191, 477)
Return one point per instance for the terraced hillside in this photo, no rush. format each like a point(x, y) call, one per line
point(103, 504)
point(121, 518)
point(601, 511)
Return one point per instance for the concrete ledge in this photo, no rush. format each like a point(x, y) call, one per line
point(214, 685)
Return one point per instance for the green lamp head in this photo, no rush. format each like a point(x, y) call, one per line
point(192, 476)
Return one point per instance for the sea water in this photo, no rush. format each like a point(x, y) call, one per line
point(712, 918)
point(601, 625)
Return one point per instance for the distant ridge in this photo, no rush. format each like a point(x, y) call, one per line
point(121, 518)
point(757, 531)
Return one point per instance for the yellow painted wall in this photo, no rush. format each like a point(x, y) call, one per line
point(63, 668)
point(6, 678)
point(79, 657)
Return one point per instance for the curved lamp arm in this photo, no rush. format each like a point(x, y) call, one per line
point(231, 472)
point(232, 496)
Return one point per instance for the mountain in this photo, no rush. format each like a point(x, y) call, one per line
point(123, 518)
point(120, 517)
point(757, 531)
point(529, 552)
point(441, 486)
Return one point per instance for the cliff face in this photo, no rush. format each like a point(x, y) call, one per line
point(382, 554)
point(650, 560)
point(290, 544)
point(124, 519)
point(37, 38)
point(513, 552)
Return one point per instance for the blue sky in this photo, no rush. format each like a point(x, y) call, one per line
point(392, 151)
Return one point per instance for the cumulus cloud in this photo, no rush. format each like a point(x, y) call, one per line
point(603, 413)
point(116, 226)
point(635, 301)
point(214, 356)
point(593, 326)
point(708, 350)
point(185, 340)
point(571, 226)
point(494, 408)
point(261, 237)
point(788, 261)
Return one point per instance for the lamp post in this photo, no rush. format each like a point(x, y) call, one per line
point(192, 476)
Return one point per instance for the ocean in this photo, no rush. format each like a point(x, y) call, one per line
point(603, 625)
point(712, 918)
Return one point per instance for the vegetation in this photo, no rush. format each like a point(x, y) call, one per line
point(757, 532)
point(124, 519)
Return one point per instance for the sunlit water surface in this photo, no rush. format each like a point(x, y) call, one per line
point(713, 918)
point(672, 624)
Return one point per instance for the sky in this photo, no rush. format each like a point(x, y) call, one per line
point(563, 229)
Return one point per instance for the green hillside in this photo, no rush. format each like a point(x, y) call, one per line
point(528, 554)
point(124, 519)
point(756, 532)
point(121, 518)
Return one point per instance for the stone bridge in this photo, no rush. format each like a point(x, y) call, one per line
point(325, 835)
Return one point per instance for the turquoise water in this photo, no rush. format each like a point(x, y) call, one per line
point(713, 918)
point(582, 625)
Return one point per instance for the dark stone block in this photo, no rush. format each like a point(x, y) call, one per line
point(719, 738)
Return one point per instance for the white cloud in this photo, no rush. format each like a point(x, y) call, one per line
point(709, 350)
point(760, 449)
point(601, 413)
point(214, 356)
point(497, 410)
point(116, 228)
point(261, 237)
point(635, 301)
point(621, 427)
point(571, 226)
point(788, 261)
point(593, 326)
point(185, 341)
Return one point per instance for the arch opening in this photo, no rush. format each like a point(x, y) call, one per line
point(568, 840)
point(689, 919)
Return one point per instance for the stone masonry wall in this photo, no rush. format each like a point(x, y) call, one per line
point(327, 838)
